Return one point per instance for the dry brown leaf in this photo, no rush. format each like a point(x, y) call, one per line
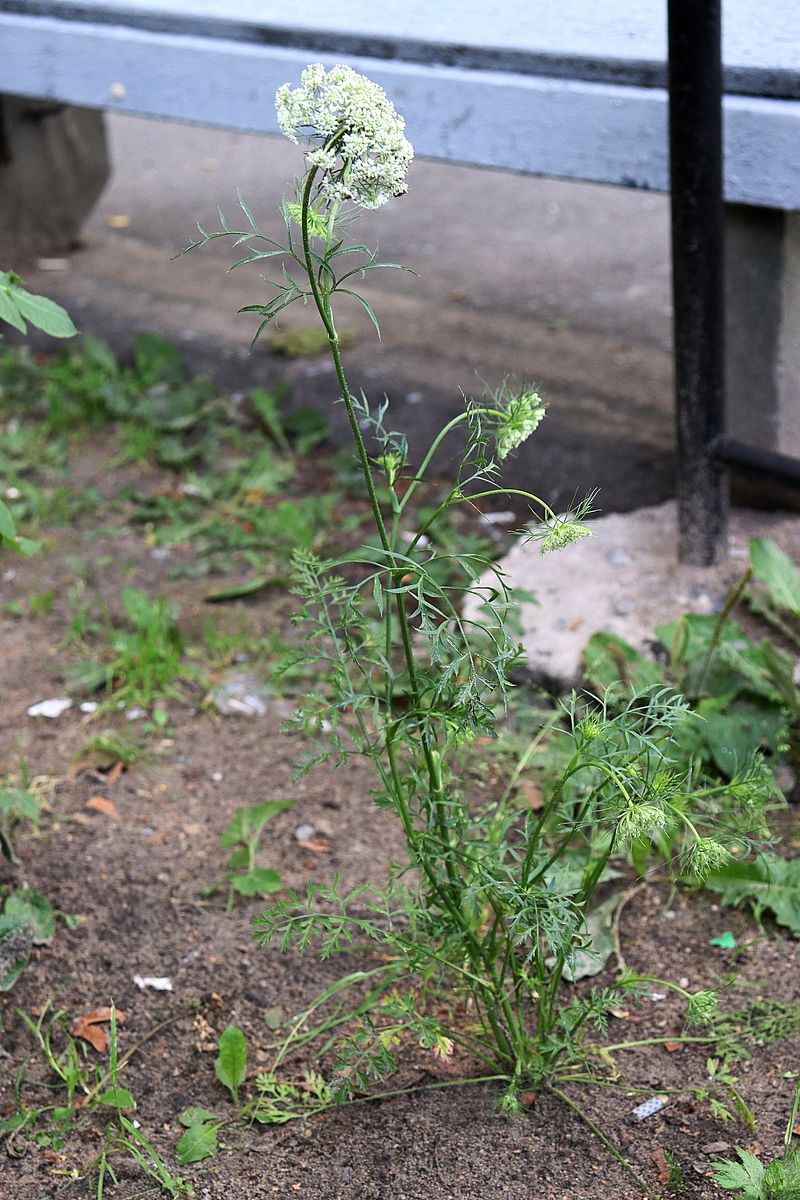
point(672, 1047)
point(317, 845)
point(102, 804)
point(531, 794)
point(661, 1165)
point(88, 1027)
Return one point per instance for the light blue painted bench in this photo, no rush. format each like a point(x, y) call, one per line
point(568, 88)
point(572, 89)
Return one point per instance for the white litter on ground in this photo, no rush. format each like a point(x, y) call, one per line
point(159, 983)
point(50, 708)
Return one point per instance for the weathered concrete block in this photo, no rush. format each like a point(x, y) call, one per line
point(763, 327)
point(53, 166)
point(625, 580)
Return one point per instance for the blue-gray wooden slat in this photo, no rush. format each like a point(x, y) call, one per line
point(620, 41)
point(573, 129)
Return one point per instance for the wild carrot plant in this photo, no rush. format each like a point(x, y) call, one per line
point(478, 928)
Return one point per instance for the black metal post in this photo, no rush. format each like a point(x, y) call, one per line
point(695, 140)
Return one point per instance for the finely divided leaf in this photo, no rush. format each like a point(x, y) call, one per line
point(591, 959)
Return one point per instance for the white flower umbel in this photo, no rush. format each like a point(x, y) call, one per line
point(357, 139)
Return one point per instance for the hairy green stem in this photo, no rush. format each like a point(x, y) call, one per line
point(449, 895)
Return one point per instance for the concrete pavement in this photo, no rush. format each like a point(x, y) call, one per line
point(563, 284)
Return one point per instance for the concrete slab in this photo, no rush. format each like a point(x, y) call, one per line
point(626, 580)
point(563, 284)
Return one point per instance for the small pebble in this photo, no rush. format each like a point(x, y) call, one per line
point(498, 518)
point(217, 776)
point(304, 832)
point(52, 264)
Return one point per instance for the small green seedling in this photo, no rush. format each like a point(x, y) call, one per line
point(780, 1180)
point(231, 1062)
point(243, 834)
point(123, 1137)
point(142, 663)
point(19, 308)
point(17, 804)
point(200, 1139)
point(27, 920)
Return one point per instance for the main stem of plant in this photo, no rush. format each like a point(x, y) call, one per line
point(447, 894)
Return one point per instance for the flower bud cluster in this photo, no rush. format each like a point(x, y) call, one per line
point(357, 137)
point(522, 413)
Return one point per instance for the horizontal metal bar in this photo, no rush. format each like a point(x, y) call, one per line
point(779, 468)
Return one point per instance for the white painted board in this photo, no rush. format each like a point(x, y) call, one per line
point(612, 40)
point(542, 126)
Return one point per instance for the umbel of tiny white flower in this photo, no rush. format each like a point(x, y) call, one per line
point(357, 139)
point(523, 413)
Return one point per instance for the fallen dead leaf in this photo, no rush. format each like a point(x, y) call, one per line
point(661, 1165)
point(115, 772)
point(103, 805)
point(88, 1027)
point(672, 1047)
point(118, 221)
point(317, 845)
point(531, 795)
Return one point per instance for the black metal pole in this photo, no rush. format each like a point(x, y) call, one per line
point(695, 140)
